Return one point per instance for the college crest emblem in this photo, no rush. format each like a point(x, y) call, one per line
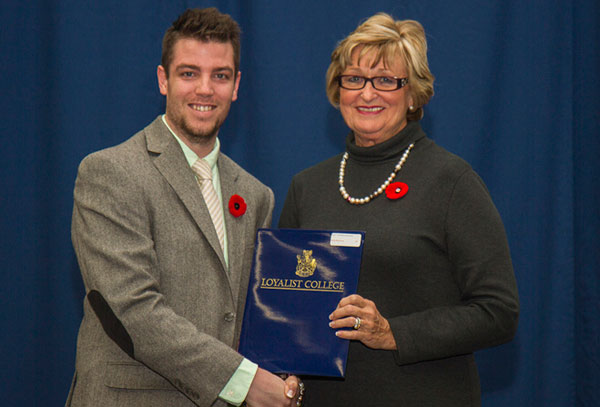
point(306, 264)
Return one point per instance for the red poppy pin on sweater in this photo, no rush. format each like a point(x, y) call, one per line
point(237, 206)
point(396, 190)
point(393, 190)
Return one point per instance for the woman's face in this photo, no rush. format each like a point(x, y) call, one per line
point(373, 115)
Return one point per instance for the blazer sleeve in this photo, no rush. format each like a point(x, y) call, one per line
point(112, 237)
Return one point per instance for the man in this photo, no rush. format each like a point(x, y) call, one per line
point(165, 267)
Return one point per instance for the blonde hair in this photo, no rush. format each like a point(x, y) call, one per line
point(389, 39)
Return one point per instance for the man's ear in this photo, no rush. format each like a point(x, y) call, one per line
point(161, 75)
point(234, 96)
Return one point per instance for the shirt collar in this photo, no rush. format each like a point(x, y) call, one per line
point(190, 156)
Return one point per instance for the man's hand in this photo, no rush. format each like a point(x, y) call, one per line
point(269, 390)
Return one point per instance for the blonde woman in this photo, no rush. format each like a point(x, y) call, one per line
point(436, 281)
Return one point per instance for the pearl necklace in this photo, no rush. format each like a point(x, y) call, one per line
point(378, 191)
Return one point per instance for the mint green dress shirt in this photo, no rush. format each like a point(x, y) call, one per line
point(237, 387)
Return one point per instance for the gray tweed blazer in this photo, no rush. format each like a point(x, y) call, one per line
point(162, 313)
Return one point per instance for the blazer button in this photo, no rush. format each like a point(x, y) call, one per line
point(229, 316)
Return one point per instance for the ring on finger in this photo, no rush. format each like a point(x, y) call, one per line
point(357, 322)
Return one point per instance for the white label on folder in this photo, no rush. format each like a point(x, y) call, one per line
point(345, 239)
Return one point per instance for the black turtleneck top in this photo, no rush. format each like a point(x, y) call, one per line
point(436, 263)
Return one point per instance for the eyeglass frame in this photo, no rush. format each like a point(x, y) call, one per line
point(400, 82)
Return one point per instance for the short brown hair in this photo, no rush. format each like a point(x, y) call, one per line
point(389, 39)
point(207, 24)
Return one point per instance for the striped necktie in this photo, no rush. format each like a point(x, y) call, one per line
point(203, 171)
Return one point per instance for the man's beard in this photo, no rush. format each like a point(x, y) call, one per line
point(198, 135)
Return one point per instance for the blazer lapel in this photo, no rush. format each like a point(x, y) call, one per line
point(236, 227)
point(171, 163)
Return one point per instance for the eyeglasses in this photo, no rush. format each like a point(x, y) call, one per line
point(384, 83)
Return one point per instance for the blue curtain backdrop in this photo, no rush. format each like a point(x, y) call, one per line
point(517, 95)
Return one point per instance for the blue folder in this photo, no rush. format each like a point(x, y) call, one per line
point(297, 279)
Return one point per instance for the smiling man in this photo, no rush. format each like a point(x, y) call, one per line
point(200, 80)
point(164, 260)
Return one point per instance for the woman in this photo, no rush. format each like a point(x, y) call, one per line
point(436, 281)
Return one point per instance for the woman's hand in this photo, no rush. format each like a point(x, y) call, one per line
point(294, 389)
point(269, 390)
point(355, 312)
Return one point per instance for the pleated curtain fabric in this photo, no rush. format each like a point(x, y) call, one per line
point(204, 173)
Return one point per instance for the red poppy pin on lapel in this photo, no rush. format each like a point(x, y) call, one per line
point(237, 206)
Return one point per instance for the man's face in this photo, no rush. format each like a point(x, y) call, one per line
point(201, 85)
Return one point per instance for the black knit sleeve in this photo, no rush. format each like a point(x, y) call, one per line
point(289, 214)
point(487, 314)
